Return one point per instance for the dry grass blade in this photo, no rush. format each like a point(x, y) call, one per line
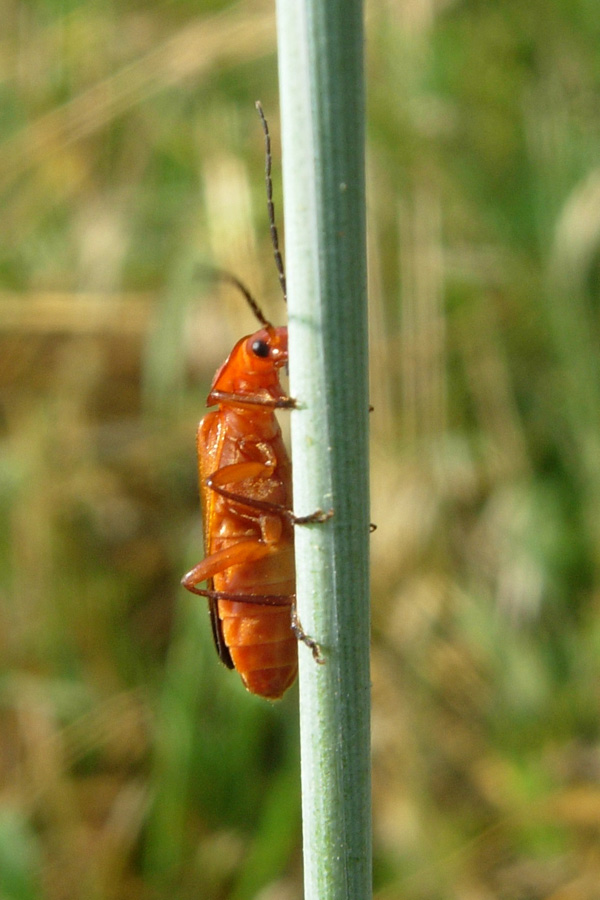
point(239, 35)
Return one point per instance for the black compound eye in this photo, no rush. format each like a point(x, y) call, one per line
point(260, 348)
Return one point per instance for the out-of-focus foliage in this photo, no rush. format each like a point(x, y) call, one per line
point(131, 764)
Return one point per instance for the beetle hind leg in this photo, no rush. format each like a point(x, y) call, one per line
point(306, 638)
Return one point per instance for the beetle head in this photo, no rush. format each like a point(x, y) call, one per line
point(252, 366)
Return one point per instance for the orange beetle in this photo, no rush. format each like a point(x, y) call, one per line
point(246, 497)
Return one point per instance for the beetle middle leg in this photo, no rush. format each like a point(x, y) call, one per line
point(318, 515)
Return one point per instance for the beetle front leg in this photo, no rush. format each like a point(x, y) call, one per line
point(266, 402)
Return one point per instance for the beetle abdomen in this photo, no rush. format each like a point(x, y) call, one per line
point(263, 647)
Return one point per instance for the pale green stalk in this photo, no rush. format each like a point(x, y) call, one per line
point(322, 112)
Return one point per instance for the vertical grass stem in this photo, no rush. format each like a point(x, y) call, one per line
point(322, 111)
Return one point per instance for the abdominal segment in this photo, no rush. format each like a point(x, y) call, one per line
point(263, 648)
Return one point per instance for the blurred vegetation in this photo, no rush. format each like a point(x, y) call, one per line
point(131, 764)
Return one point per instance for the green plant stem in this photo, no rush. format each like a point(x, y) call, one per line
point(322, 112)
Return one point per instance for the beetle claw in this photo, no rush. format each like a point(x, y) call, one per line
point(305, 638)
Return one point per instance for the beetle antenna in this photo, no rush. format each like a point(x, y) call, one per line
point(252, 303)
point(270, 204)
point(224, 275)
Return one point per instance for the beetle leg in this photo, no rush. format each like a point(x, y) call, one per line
point(243, 400)
point(238, 553)
point(252, 502)
point(258, 599)
point(318, 515)
point(305, 638)
point(236, 472)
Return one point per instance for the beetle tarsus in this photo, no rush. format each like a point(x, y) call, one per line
point(306, 638)
point(319, 515)
point(287, 403)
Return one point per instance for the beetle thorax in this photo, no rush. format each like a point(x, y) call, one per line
point(249, 422)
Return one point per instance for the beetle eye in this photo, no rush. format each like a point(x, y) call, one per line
point(260, 348)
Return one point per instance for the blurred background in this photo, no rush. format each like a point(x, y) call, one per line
point(132, 765)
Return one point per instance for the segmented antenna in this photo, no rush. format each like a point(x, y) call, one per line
point(227, 276)
point(270, 204)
